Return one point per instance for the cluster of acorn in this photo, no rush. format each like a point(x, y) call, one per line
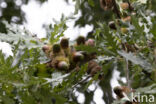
point(121, 91)
point(122, 19)
point(65, 57)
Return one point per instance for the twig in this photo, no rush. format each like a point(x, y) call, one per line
point(81, 81)
point(116, 10)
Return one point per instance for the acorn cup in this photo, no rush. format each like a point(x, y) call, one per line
point(56, 48)
point(64, 43)
point(80, 40)
point(56, 51)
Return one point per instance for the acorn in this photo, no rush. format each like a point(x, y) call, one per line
point(80, 40)
point(63, 65)
point(124, 30)
point(111, 24)
point(56, 51)
point(60, 62)
point(64, 43)
point(93, 68)
point(124, 6)
point(118, 91)
point(77, 57)
point(90, 42)
point(56, 48)
point(106, 4)
point(126, 89)
point(47, 49)
point(91, 65)
point(126, 19)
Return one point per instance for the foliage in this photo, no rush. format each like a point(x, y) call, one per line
point(19, 82)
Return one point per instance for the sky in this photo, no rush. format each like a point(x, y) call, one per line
point(39, 14)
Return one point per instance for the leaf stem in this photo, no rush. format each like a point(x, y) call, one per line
point(127, 74)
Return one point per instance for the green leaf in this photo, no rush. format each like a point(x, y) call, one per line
point(58, 31)
point(91, 2)
point(136, 60)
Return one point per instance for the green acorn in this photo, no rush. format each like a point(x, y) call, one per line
point(60, 62)
point(80, 40)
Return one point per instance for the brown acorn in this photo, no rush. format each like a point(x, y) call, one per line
point(91, 65)
point(93, 68)
point(47, 49)
point(77, 57)
point(106, 4)
point(80, 40)
point(124, 6)
point(111, 24)
point(126, 89)
point(90, 42)
point(118, 91)
point(126, 19)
